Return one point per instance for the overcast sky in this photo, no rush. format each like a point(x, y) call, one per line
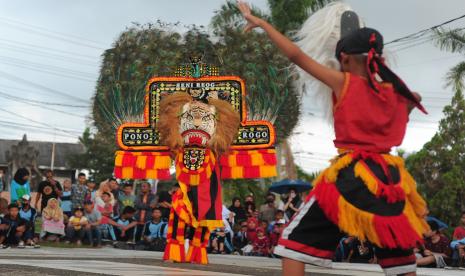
point(50, 51)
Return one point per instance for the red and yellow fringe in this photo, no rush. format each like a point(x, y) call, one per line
point(248, 164)
point(197, 252)
point(403, 231)
point(142, 165)
point(174, 250)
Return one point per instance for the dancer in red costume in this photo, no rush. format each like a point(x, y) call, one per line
point(366, 192)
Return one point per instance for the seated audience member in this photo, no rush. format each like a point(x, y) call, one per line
point(278, 217)
point(249, 206)
point(251, 229)
point(458, 243)
point(125, 225)
point(155, 232)
point(65, 198)
point(238, 210)
point(12, 228)
point(361, 252)
point(218, 237)
point(105, 208)
point(3, 207)
point(52, 221)
point(29, 215)
point(268, 210)
point(437, 251)
point(104, 188)
point(240, 238)
point(76, 229)
point(261, 244)
point(91, 191)
point(94, 233)
point(126, 198)
point(275, 234)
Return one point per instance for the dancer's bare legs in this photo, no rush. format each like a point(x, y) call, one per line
point(293, 267)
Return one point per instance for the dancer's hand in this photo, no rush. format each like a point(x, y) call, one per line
point(252, 20)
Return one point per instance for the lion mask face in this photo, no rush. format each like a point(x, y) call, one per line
point(197, 123)
point(185, 122)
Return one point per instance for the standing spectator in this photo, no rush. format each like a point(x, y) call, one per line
point(20, 185)
point(437, 251)
point(94, 218)
point(65, 198)
point(103, 188)
point(115, 190)
point(91, 191)
point(29, 215)
point(268, 210)
point(12, 228)
point(105, 208)
point(292, 205)
point(164, 201)
point(52, 225)
point(238, 210)
point(126, 198)
point(261, 244)
point(249, 206)
point(144, 204)
point(126, 225)
point(49, 188)
point(79, 191)
point(155, 232)
point(76, 229)
point(458, 243)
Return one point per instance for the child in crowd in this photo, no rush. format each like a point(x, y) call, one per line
point(20, 185)
point(65, 198)
point(458, 243)
point(76, 229)
point(251, 229)
point(105, 207)
point(125, 225)
point(91, 191)
point(218, 237)
point(12, 228)
point(52, 225)
point(155, 232)
point(240, 238)
point(361, 252)
point(275, 234)
point(94, 233)
point(126, 198)
point(261, 244)
point(29, 215)
point(278, 218)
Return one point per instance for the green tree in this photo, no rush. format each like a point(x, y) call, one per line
point(453, 41)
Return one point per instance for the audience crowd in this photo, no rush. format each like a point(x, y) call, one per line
point(111, 213)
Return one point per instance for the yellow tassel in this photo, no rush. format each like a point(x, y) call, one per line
point(417, 222)
point(211, 224)
point(127, 172)
point(119, 159)
point(339, 164)
point(356, 222)
point(370, 181)
point(141, 162)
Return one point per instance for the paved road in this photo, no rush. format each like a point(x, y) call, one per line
point(108, 261)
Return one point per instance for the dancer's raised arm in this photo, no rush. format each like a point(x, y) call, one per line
point(330, 77)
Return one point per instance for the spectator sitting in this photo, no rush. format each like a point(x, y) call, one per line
point(49, 188)
point(3, 207)
point(437, 251)
point(218, 237)
point(29, 215)
point(240, 238)
point(94, 233)
point(275, 234)
point(251, 229)
point(264, 224)
point(104, 188)
point(76, 229)
point(238, 210)
point(79, 191)
point(361, 252)
point(126, 198)
point(458, 243)
point(278, 217)
point(261, 244)
point(66, 204)
point(268, 210)
point(155, 232)
point(144, 204)
point(125, 225)
point(164, 201)
point(115, 191)
point(20, 185)
point(12, 228)
point(91, 191)
point(52, 225)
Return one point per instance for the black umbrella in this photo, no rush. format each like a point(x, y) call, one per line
point(283, 186)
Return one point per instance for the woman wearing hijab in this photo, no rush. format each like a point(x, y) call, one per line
point(52, 217)
point(20, 185)
point(238, 210)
